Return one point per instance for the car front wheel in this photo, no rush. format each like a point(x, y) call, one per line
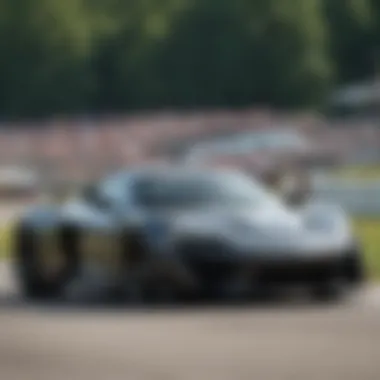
point(354, 268)
point(350, 276)
point(38, 278)
point(28, 271)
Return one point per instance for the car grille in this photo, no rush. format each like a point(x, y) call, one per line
point(213, 261)
point(209, 260)
point(296, 271)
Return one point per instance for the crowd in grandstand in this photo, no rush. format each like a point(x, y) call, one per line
point(107, 142)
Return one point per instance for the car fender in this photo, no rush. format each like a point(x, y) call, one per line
point(41, 218)
point(331, 217)
point(86, 217)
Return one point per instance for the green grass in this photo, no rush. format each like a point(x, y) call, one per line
point(5, 241)
point(368, 231)
point(369, 172)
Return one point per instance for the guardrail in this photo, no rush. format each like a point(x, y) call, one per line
point(360, 198)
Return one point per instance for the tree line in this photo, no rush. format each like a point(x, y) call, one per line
point(79, 56)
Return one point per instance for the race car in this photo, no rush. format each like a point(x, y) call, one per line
point(178, 231)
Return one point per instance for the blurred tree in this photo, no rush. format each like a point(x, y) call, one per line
point(220, 52)
point(80, 55)
point(124, 60)
point(376, 35)
point(350, 25)
point(292, 53)
point(44, 64)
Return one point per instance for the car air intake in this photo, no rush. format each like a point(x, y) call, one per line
point(209, 260)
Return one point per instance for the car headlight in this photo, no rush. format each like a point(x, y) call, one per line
point(319, 224)
point(328, 223)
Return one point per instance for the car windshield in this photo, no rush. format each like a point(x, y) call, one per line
point(201, 189)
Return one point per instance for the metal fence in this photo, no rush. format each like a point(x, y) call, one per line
point(360, 198)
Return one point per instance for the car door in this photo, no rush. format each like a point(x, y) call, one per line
point(102, 240)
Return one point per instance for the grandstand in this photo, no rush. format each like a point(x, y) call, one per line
point(80, 148)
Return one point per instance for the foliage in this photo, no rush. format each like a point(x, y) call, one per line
point(350, 26)
point(368, 233)
point(362, 173)
point(80, 56)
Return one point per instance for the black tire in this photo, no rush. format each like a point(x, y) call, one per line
point(354, 268)
point(31, 281)
point(160, 291)
point(135, 248)
point(154, 287)
point(350, 276)
point(69, 238)
point(330, 291)
point(134, 255)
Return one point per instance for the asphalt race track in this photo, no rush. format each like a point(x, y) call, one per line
point(286, 340)
point(283, 340)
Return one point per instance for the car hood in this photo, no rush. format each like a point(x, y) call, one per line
point(266, 217)
point(268, 227)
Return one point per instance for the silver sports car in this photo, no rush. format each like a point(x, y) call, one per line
point(183, 231)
